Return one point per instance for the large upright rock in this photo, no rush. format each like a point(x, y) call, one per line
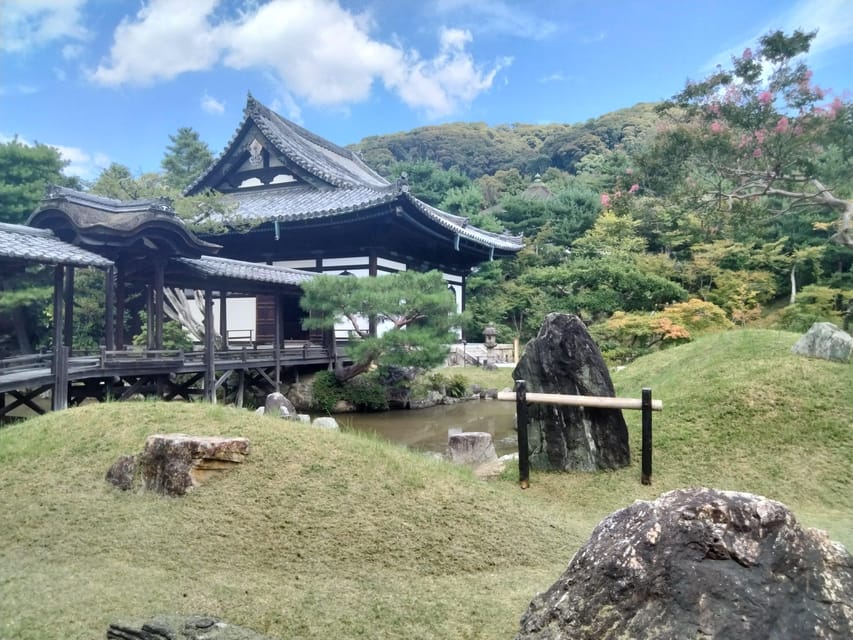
point(699, 563)
point(826, 341)
point(564, 359)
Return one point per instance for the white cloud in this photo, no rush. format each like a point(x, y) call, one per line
point(833, 20)
point(440, 85)
point(209, 104)
point(167, 38)
point(317, 50)
point(82, 164)
point(499, 17)
point(27, 24)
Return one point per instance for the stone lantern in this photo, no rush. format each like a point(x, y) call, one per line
point(491, 336)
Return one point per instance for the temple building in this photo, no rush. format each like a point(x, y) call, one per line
point(306, 203)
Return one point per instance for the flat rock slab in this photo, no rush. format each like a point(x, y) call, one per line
point(172, 627)
point(699, 563)
point(172, 464)
point(471, 447)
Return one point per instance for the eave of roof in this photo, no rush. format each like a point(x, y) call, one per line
point(92, 215)
point(213, 267)
point(27, 244)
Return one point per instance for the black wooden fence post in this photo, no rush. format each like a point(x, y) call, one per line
point(521, 421)
point(646, 474)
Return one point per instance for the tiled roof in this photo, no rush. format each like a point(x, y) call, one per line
point(318, 156)
point(209, 266)
point(459, 225)
point(112, 205)
point(106, 221)
point(354, 185)
point(304, 202)
point(18, 242)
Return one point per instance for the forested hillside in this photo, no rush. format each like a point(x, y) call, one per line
point(477, 149)
point(727, 205)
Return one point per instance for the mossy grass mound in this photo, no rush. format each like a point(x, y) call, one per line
point(324, 534)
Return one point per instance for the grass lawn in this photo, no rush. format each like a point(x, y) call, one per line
point(336, 535)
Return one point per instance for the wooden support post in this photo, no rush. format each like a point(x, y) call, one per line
point(646, 473)
point(68, 320)
point(120, 293)
point(373, 272)
point(209, 355)
point(223, 318)
point(521, 422)
point(159, 312)
point(58, 326)
point(277, 352)
point(241, 382)
point(109, 312)
point(59, 398)
point(149, 312)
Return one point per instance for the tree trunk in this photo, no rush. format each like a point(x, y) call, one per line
point(342, 373)
point(793, 284)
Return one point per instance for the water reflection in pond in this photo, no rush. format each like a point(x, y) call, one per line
point(426, 429)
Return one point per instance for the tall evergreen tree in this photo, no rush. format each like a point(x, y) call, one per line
point(186, 158)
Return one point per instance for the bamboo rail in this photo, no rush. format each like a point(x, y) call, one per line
point(522, 398)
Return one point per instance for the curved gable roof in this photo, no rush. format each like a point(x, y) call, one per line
point(104, 222)
point(347, 184)
point(319, 157)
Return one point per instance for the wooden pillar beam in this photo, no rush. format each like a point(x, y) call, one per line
point(223, 317)
point(372, 271)
point(277, 352)
point(149, 314)
point(120, 299)
point(110, 310)
point(209, 355)
point(59, 396)
point(68, 318)
point(159, 268)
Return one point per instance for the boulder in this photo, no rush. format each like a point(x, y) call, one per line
point(175, 627)
point(699, 563)
point(172, 464)
point(326, 422)
point(278, 406)
point(564, 359)
point(123, 473)
point(472, 447)
point(301, 394)
point(826, 341)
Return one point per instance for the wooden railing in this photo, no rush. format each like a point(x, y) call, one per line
point(522, 398)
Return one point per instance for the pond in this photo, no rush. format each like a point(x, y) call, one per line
point(426, 429)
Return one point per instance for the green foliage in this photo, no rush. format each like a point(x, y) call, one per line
point(174, 336)
point(415, 310)
point(186, 158)
point(429, 182)
point(25, 171)
point(559, 220)
point(453, 385)
point(815, 304)
point(366, 392)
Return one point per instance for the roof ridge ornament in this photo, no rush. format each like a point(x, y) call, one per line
point(402, 183)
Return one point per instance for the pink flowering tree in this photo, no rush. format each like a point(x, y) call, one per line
point(756, 136)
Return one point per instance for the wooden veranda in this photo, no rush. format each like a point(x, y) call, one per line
point(144, 245)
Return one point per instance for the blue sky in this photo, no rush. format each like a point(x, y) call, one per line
point(109, 80)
